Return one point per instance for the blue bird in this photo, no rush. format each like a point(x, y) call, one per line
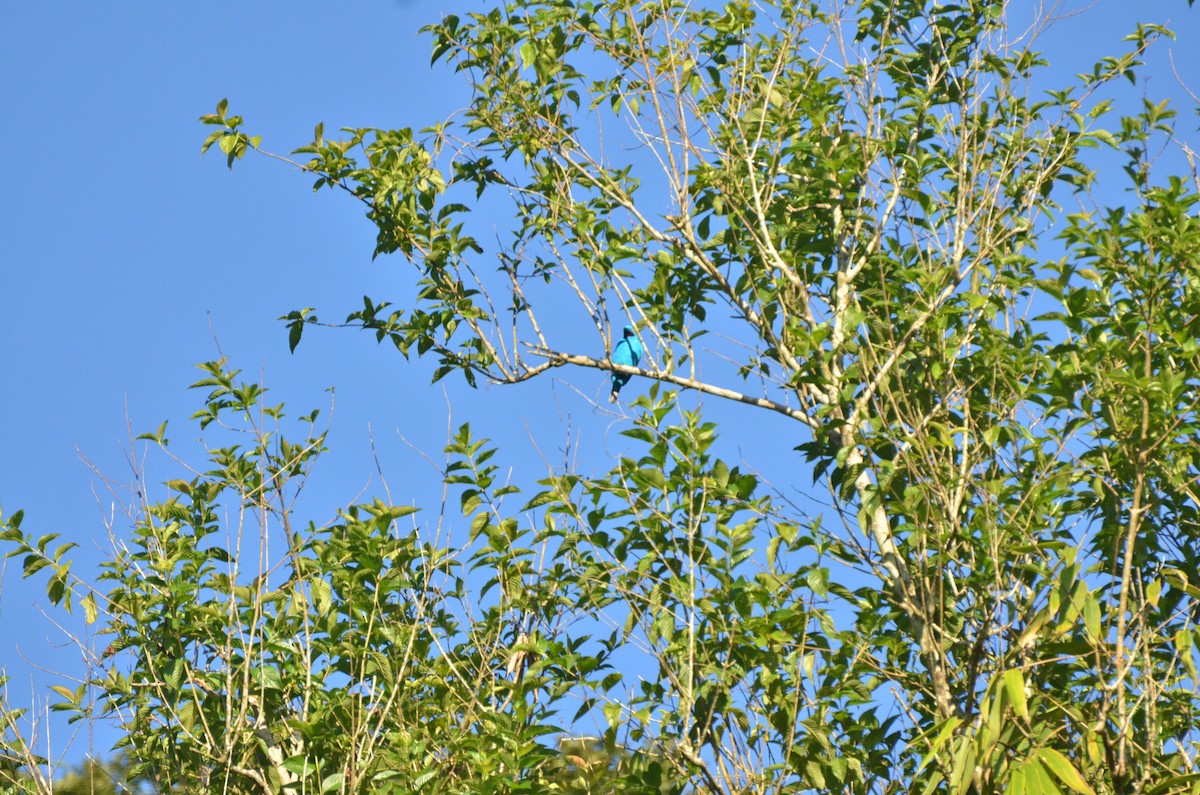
point(628, 352)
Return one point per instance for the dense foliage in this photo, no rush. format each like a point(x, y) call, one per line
point(876, 219)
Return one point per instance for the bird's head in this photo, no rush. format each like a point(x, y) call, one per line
point(629, 331)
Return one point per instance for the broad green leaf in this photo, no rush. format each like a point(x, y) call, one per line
point(1014, 686)
point(1063, 770)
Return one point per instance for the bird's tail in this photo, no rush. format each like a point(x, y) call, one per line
point(612, 396)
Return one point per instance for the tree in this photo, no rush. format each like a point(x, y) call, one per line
point(991, 361)
point(90, 777)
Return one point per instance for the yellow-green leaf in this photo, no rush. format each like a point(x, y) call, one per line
point(1014, 685)
point(1153, 590)
point(187, 715)
point(946, 731)
point(1038, 781)
point(322, 595)
point(1174, 784)
point(1091, 618)
point(1064, 771)
point(90, 612)
point(1183, 645)
point(64, 691)
point(964, 766)
point(1016, 781)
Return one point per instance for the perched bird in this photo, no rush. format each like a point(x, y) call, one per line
point(628, 352)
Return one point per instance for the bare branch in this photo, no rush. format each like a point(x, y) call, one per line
point(558, 359)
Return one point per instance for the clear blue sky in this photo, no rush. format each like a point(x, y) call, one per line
point(118, 243)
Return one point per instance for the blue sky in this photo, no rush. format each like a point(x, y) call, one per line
point(122, 252)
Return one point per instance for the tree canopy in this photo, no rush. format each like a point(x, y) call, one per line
point(881, 220)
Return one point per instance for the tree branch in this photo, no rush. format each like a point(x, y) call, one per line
point(558, 359)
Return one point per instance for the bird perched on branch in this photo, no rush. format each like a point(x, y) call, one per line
point(627, 352)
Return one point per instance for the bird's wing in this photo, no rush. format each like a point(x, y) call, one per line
point(624, 354)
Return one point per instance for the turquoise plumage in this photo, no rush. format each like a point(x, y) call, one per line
point(627, 352)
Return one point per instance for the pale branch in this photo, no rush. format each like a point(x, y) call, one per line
point(592, 307)
point(253, 775)
point(473, 322)
point(308, 169)
point(762, 237)
point(827, 395)
point(670, 168)
point(905, 590)
point(690, 248)
point(898, 350)
point(558, 359)
point(759, 230)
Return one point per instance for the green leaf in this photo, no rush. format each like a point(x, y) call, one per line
point(1037, 780)
point(963, 771)
point(34, 564)
point(528, 54)
point(424, 778)
point(1014, 686)
point(1017, 781)
point(65, 692)
point(187, 715)
point(295, 330)
point(322, 595)
point(1173, 784)
point(945, 733)
point(1153, 591)
point(1064, 771)
point(57, 591)
point(1091, 618)
point(773, 552)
